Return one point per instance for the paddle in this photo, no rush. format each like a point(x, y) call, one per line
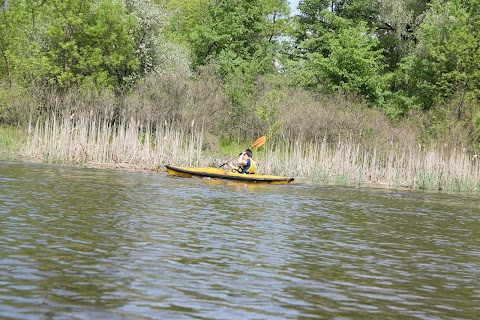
point(256, 144)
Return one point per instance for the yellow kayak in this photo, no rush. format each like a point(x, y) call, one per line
point(218, 173)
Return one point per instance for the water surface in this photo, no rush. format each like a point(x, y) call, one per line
point(79, 243)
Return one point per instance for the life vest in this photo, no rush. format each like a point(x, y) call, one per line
point(250, 168)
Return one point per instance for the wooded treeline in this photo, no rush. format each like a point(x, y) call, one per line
point(250, 67)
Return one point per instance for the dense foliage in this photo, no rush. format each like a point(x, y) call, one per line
point(400, 56)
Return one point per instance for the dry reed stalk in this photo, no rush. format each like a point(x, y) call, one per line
point(88, 138)
point(348, 163)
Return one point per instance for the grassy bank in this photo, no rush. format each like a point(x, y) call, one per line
point(328, 139)
point(89, 139)
point(11, 140)
point(347, 163)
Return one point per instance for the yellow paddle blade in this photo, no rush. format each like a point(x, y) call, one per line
point(259, 142)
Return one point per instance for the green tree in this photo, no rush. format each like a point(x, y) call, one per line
point(393, 22)
point(65, 43)
point(89, 42)
point(340, 55)
point(234, 32)
point(17, 36)
point(7, 33)
point(154, 50)
point(239, 39)
point(355, 46)
point(446, 61)
point(184, 16)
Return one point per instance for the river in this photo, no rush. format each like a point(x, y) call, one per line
point(82, 243)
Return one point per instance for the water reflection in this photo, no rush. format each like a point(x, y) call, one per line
point(83, 244)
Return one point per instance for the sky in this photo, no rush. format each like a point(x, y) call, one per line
point(293, 5)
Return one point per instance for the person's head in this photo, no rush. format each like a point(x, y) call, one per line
point(248, 152)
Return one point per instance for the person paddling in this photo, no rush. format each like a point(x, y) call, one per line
point(245, 163)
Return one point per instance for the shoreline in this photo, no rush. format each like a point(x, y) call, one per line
point(343, 163)
point(17, 158)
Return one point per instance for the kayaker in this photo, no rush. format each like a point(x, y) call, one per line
point(245, 163)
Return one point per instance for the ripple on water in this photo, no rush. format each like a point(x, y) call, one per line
point(84, 243)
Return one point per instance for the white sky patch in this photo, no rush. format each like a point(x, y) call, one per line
point(294, 6)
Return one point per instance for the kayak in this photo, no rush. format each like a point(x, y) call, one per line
point(217, 173)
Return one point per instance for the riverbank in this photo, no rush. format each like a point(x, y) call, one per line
point(129, 145)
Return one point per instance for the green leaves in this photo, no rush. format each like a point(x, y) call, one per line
point(341, 56)
point(234, 32)
point(91, 44)
point(353, 63)
point(239, 39)
point(67, 43)
point(398, 55)
point(446, 61)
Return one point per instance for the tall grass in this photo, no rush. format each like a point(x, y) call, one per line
point(326, 139)
point(349, 163)
point(11, 139)
point(88, 138)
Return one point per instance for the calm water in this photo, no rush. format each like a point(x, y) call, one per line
point(109, 244)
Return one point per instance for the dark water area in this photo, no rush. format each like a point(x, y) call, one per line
point(79, 243)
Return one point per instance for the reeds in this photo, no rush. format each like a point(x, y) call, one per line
point(87, 138)
point(347, 163)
